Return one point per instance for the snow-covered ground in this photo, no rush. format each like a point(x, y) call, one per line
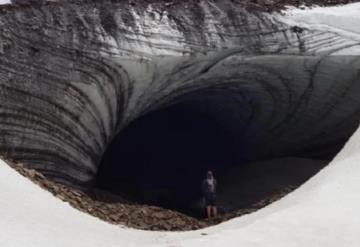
point(323, 212)
point(5, 1)
point(343, 20)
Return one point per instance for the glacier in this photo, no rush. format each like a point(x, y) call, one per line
point(62, 111)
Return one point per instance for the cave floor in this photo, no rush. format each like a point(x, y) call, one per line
point(118, 211)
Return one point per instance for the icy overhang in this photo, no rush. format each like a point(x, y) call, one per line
point(72, 76)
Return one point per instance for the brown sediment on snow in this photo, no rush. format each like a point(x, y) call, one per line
point(265, 5)
point(116, 210)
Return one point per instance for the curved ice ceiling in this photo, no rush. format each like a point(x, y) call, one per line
point(73, 76)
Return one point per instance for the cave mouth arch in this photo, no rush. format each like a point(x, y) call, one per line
point(162, 157)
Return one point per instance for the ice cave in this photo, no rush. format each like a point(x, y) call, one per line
point(141, 98)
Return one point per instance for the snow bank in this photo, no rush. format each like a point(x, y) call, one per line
point(5, 1)
point(343, 20)
point(322, 212)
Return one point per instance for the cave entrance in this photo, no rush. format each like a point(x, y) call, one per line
point(162, 158)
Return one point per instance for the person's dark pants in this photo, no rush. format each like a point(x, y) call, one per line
point(210, 200)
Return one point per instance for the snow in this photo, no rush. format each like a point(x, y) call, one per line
point(5, 2)
point(322, 212)
point(343, 20)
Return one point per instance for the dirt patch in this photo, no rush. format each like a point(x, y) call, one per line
point(262, 5)
point(116, 210)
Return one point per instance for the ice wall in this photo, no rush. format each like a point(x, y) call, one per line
point(73, 74)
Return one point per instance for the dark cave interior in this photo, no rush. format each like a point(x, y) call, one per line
point(162, 157)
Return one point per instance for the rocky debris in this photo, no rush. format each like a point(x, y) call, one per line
point(116, 210)
point(265, 5)
point(28, 1)
point(121, 212)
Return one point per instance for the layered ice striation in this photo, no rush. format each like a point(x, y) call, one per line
point(74, 74)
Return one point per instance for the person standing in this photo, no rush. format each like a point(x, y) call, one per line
point(209, 191)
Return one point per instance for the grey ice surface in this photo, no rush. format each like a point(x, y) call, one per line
point(72, 75)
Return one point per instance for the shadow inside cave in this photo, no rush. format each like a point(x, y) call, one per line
point(257, 135)
point(161, 159)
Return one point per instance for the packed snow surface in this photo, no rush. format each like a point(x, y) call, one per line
point(344, 19)
point(5, 1)
point(322, 212)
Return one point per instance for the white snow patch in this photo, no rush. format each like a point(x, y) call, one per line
point(5, 2)
point(323, 212)
point(343, 20)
